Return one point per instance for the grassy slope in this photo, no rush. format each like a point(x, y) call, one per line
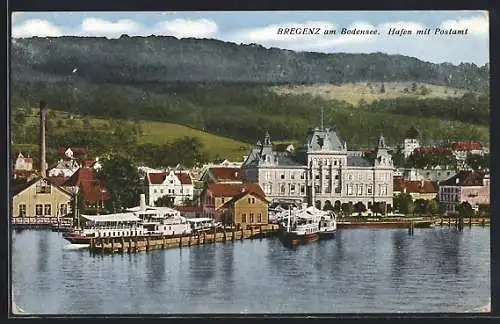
point(157, 133)
point(369, 92)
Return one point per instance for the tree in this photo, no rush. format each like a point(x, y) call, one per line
point(424, 91)
point(402, 203)
point(413, 87)
point(484, 209)
point(359, 207)
point(337, 207)
point(465, 210)
point(165, 201)
point(421, 206)
point(432, 207)
point(122, 179)
point(328, 206)
point(378, 208)
point(346, 209)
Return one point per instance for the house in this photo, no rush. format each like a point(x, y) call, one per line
point(93, 192)
point(23, 167)
point(217, 194)
point(420, 189)
point(40, 198)
point(175, 184)
point(222, 175)
point(245, 208)
point(461, 148)
point(190, 211)
point(470, 186)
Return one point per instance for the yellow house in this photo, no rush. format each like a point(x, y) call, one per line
point(246, 208)
point(40, 198)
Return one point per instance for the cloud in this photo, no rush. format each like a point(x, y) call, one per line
point(36, 27)
point(478, 25)
point(99, 27)
point(15, 16)
point(182, 28)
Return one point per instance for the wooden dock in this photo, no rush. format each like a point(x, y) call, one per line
point(133, 244)
point(40, 222)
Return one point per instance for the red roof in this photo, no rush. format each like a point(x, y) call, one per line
point(466, 145)
point(417, 186)
point(433, 149)
point(189, 209)
point(159, 177)
point(233, 189)
point(466, 178)
point(90, 187)
point(225, 174)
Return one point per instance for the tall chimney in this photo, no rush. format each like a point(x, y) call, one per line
point(143, 202)
point(43, 162)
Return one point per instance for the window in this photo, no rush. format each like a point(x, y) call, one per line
point(243, 218)
point(249, 200)
point(253, 200)
point(48, 210)
point(22, 210)
point(302, 189)
point(303, 176)
point(336, 177)
point(251, 217)
point(260, 218)
point(161, 191)
point(334, 162)
point(282, 189)
point(317, 177)
point(292, 189)
point(360, 189)
point(383, 190)
point(292, 176)
point(42, 188)
point(327, 177)
point(369, 189)
point(171, 181)
point(360, 176)
point(38, 210)
point(282, 176)
point(316, 189)
point(155, 191)
point(349, 189)
point(222, 200)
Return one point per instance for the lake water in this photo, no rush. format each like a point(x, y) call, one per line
point(360, 270)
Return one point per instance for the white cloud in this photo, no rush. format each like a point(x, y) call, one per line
point(36, 27)
point(97, 27)
point(478, 25)
point(183, 28)
point(15, 16)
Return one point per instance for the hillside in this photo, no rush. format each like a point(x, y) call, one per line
point(368, 92)
point(133, 60)
point(156, 133)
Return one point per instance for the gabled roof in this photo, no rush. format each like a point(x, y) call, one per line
point(77, 150)
point(90, 187)
point(466, 178)
point(417, 186)
point(226, 174)
point(159, 177)
point(233, 189)
point(240, 196)
point(58, 180)
point(18, 188)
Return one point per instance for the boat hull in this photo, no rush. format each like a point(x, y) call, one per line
point(295, 239)
point(77, 239)
point(327, 234)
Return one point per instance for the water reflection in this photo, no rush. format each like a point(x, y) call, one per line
point(225, 262)
point(202, 264)
point(43, 251)
point(400, 251)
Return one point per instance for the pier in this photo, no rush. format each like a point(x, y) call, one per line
point(40, 222)
point(132, 244)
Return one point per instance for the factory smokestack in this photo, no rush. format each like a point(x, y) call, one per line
point(43, 160)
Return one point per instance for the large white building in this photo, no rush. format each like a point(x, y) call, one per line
point(322, 172)
point(177, 185)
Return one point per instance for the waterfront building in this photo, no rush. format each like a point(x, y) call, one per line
point(175, 184)
point(466, 186)
point(23, 167)
point(40, 198)
point(322, 173)
point(435, 174)
point(63, 168)
point(245, 208)
point(217, 194)
point(419, 189)
point(93, 192)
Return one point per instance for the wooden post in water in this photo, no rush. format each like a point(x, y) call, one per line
point(147, 243)
point(224, 229)
point(123, 244)
point(204, 237)
point(180, 241)
point(242, 234)
point(483, 222)
point(91, 246)
point(260, 231)
point(441, 221)
point(470, 221)
point(233, 234)
point(190, 236)
point(129, 244)
point(251, 231)
point(449, 221)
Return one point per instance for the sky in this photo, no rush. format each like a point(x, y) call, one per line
point(261, 27)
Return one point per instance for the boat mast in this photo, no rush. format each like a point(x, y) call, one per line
point(289, 219)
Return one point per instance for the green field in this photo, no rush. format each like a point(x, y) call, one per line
point(153, 132)
point(353, 93)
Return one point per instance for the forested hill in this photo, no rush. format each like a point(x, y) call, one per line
point(135, 60)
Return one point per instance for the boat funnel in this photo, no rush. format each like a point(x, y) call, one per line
point(143, 202)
